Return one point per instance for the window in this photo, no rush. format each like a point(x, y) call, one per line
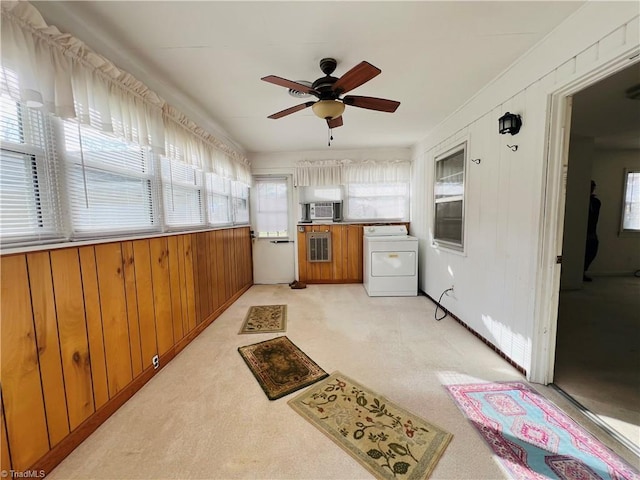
point(449, 198)
point(272, 212)
point(377, 201)
point(110, 183)
point(218, 199)
point(631, 202)
point(62, 180)
point(28, 181)
point(182, 194)
point(240, 196)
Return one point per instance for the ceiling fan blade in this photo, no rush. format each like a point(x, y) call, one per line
point(371, 103)
point(335, 122)
point(283, 82)
point(290, 110)
point(361, 73)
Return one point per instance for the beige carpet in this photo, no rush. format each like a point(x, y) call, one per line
point(186, 424)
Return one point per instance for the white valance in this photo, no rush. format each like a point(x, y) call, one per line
point(189, 143)
point(319, 172)
point(377, 171)
point(61, 74)
point(344, 172)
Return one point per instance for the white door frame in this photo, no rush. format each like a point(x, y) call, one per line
point(552, 220)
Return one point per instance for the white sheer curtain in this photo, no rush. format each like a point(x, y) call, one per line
point(316, 173)
point(345, 172)
point(59, 73)
point(376, 171)
point(189, 143)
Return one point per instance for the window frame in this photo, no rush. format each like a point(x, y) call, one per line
point(36, 135)
point(626, 232)
point(448, 244)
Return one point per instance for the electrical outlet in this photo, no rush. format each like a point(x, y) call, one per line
point(451, 292)
point(156, 362)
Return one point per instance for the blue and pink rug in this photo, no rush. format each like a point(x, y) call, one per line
point(532, 438)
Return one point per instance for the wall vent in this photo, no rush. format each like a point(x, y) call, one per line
point(319, 246)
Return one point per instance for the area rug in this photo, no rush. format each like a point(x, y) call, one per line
point(280, 367)
point(386, 439)
point(532, 438)
point(265, 319)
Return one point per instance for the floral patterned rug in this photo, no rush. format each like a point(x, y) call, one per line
point(532, 438)
point(387, 440)
point(280, 367)
point(265, 319)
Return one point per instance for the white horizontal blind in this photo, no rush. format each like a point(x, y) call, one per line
point(240, 196)
point(109, 182)
point(378, 201)
point(218, 199)
point(28, 171)
point(271, 207)
point(182, 194)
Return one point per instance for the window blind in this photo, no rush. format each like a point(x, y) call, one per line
point(218, 199)
point(109, 182)
point(182, 194)
point(28, 172)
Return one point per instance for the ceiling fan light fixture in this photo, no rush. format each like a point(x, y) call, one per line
point(328, 109)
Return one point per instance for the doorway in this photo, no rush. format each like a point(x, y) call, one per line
point(597, 354)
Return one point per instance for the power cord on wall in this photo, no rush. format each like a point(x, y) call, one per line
point(435, 315)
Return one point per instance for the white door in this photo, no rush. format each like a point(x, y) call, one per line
point(272, 222)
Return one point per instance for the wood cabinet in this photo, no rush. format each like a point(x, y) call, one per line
point(346, 254)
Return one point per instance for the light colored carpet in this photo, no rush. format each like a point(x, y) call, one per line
point(186, 422)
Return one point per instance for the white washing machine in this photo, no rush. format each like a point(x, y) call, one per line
point(390, 261)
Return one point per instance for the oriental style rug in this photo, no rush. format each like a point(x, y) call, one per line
point(265, 319)
point(280, 367)
point(532, 438)
point(387, 440)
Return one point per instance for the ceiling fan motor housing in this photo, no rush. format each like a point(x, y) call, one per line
point(328, 65)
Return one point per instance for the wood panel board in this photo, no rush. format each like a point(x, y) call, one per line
point(21, 388)
point(128, 263)
point(175, 285)
point(144, 292)
point(93, 316)
point(161, 293)
point(113, 303)
point(46, 327)
point(72, 330)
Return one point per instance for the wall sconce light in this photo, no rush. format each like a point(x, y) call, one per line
point(509, 123)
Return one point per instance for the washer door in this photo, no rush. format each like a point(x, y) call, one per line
point(393, 264)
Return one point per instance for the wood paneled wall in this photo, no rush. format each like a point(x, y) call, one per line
point(346, 254)
point(81, 325)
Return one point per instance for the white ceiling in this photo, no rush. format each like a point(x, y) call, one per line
point(207, 58)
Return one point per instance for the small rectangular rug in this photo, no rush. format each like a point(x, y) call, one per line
point(387, 440)
point(265, 319)
point(280, 367)
point(532, 438)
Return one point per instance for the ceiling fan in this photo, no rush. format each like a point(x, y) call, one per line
point(329, 90)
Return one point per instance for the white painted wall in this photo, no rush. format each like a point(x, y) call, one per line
point(495, 277)
point(617, 253)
